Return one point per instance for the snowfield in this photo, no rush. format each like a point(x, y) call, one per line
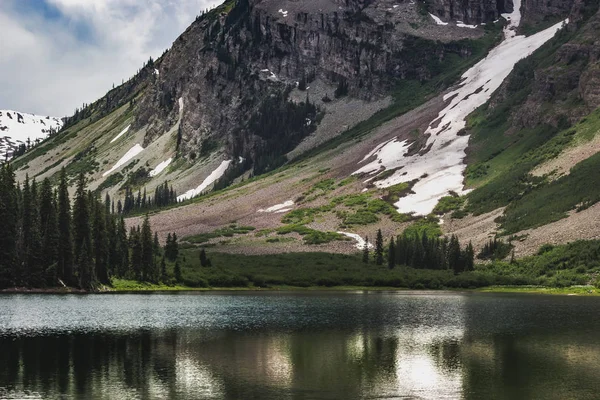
point(17, 127)
point(134, 151)
point(213, 177)
point(438, 20)
point(441, 169)
point(124, 131)
point(360, 242)
point(278, 208)
point(160, 167)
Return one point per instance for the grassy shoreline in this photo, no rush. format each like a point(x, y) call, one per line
point(156, 288)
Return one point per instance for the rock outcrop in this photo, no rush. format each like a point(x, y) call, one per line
point(232, 60)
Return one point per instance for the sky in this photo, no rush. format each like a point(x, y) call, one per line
point(56, 55)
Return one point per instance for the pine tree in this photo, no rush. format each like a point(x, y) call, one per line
point(8, 233)
point(82, 235)
point(203, 259)
point(454, 255)
point(65, 239)
point(365, 257)
point(379, 248)
point(391, 254)
point(84, 262)
point(177, 272)
point(32, 238)
point(163, 269)
point(136, 254)
point(172, 247)
point(469, 257)
point(147, 251)
point(101, 249)
point(49, 232)
point(122, 250)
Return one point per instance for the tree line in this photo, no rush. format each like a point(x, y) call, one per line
point(164, 195)
point(422, 252)
point(46, 241)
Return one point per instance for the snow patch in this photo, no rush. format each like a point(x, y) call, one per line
point(360, 242)
point(438, 20)
point(156, 72)
point(180, 105)
point(283, 12)
point(134, 151)
point(440, 170)
point(278, 207)
point(460, 24)
point(214, 176)
point(124, 131)
point(160, 167)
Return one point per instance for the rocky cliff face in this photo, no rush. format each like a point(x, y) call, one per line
point(475, 12)
point(472, 11)
point(231, 61)
point(565, 87)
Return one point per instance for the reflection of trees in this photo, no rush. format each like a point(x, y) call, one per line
point(240, 366)
point(529, 349)
point(479, 349)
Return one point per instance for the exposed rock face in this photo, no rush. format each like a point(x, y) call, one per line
point(569, 88)
point(539, 11)
point(471, 11)
point(231, 60)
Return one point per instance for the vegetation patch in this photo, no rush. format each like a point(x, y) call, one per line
point(429, 225)
point(449, 203)
point(229, 231)
point(361, 217)
point(311, 236)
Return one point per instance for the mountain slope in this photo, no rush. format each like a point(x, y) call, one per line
point(350, 113)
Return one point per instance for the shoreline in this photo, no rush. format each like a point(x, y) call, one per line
point(540, 290)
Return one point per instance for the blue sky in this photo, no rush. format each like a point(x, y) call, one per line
point(58, 54)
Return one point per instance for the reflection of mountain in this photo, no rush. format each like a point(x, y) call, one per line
point(427, 347)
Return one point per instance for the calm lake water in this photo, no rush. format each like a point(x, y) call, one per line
point(299, 346)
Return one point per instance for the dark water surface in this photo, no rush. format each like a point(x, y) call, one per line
point(299, 346)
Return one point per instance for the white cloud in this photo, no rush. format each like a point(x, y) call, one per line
point(52, 62)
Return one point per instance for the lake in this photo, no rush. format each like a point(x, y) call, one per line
point(299, 345)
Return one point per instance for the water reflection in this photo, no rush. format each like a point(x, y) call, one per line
point(342, 346)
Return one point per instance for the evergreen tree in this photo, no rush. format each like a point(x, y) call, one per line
point(32, 239)
point(203, 259)
point(454, 255)
point(49, 232)
point(469, 257)
point(65, 239)
point(9, 232)
point(365, 257)
point(122, 250)
point(391, 254)
point(136, 254)
point(163, 269)
point(82, 235)
point(172, 247)
point(177, 272)
point(379, 248)
point(147, 251)
point(101, 249)
point(84, 261)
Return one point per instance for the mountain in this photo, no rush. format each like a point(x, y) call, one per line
point(17, 128)
point(317, 123)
